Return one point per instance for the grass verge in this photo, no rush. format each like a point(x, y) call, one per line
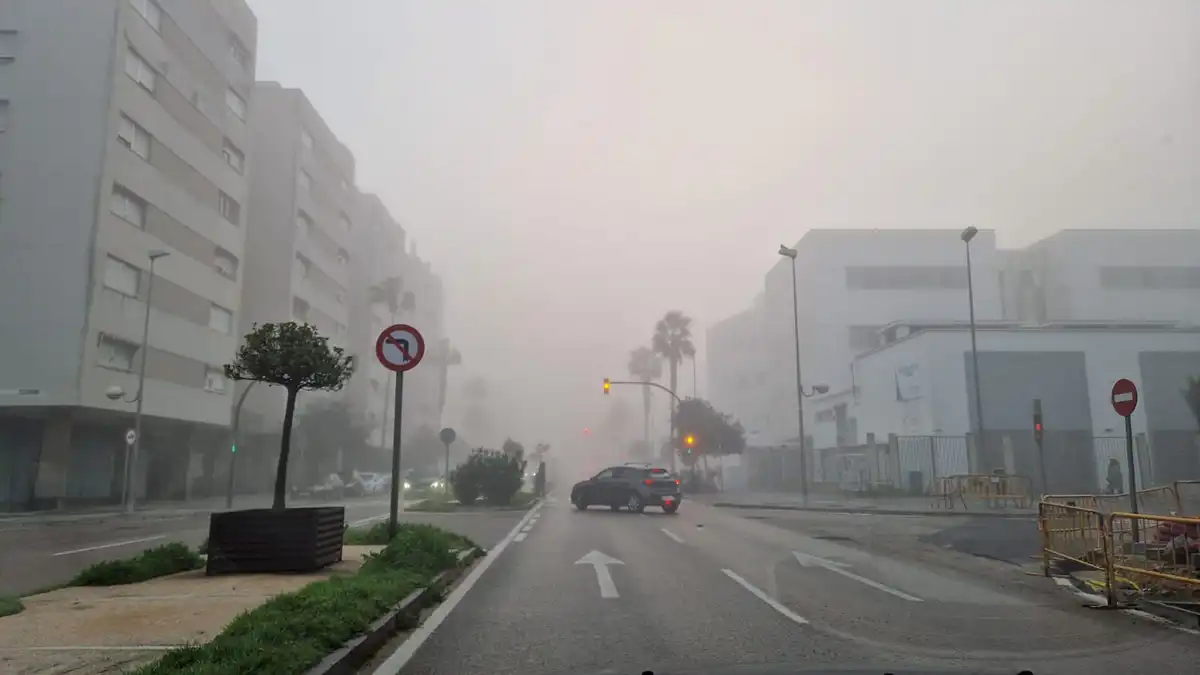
point(149, 564)
point(442, 504)
point(291, 633)
point(10, 604)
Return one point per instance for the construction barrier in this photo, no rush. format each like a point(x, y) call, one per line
point(990, 490)
point(1074, 537)
point(1157, 554)
point(1161, 499)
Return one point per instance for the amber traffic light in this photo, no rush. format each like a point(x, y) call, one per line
point(689, 440)
point(607, 385)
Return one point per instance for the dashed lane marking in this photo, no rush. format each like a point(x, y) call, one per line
point(771, 602)
point(678, 539)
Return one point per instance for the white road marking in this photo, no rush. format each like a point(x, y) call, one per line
point(521, 537)
point(678, 539)
point(806, 560)
point(396, 662)
point(364, 521)
point(1100, 601)
point(600, 563)
point(778, 607)
point(114, 544)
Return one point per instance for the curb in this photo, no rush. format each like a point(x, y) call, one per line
point(877, 512)
point(357, 652)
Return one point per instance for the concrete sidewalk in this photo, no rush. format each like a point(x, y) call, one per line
point(792, 501)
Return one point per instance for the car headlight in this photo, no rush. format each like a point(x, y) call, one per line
point(407, 486)
point(436, 484)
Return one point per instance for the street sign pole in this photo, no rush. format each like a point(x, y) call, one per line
point(1124, 402)
point(1037, 437)
point(447, 437)
point(397, 486)
point(399, 348)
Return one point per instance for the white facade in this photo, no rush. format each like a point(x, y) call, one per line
point(120, 139)
point(851, 283)
point(737, 369)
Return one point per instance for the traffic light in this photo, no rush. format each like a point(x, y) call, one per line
point(232, 448)
point(1037, 420)
point(689, 443)
point(607, 385)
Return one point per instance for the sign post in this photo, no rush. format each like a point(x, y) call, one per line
point(447, 437)
point(1124, 401)
point(399, 348)
point(1038, 431)
point(130, 475)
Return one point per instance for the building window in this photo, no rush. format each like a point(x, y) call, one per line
point(127, 205)
point(4, 115)
point(220, 319)
point(122, 277)
point(226, 264)
point(299, 310)
point(234, 157)
point(906, 278)
point(303, 224)
point(236, 104)
point(239, 53)
point(115, 353)
point(134, 137)
point(303, 266)
point(344, 223)
point(1133, 278)
point(230, 209)
point(214, 380)
point(305, 182)
point(306, 140)
point(149, 11)
point(139, 71)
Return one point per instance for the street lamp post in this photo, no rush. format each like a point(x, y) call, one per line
point(791, 253)
point(967, 235)
point(233, 440)
point(131, 468)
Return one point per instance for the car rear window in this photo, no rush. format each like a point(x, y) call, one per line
point(658, 473)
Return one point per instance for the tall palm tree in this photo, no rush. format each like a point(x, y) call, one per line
point(645, 365)
point(673, 341)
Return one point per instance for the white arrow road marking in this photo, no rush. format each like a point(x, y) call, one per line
point(807, 560)
point(678, 539)
point(774, 604)
point(600, 563)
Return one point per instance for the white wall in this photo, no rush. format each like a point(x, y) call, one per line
point(1109, 356)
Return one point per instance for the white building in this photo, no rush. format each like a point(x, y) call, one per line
point(851, 283)
point(737, 369)
point(122, 132)
point(921, 384)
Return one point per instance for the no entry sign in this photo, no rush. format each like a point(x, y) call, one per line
point(1124, 397)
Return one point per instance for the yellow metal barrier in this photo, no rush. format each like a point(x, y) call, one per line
point(1160, 499)
point(1076, 535)
point(995, 491)
point(1162, 553)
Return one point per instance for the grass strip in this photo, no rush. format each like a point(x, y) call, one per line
point(10, 604)
point(159, 561)
point(293, 632)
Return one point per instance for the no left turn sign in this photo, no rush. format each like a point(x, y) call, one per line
point(400, 347)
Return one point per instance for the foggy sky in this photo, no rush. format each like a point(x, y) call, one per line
point(575, 168)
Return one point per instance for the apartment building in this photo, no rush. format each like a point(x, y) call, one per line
point(122, 134)
point(738, 368)
point(300, 245)
point(852, 283)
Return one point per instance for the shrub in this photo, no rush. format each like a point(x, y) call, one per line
point(417, 547)
point(367, 536)
point(494, 475)
point(10, 605)
point(149, 564)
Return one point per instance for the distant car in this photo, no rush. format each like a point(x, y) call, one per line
point(634, 487)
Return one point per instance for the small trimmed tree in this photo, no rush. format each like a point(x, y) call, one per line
point(296, 357)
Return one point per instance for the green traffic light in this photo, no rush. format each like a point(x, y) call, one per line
point(233, 448)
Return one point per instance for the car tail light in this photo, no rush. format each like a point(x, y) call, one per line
point(648, 482)
point(677, 481)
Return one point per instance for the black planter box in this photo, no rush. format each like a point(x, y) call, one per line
point(266, 540)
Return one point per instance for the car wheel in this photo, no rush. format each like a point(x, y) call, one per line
point(635, 503)
point(581, 503)
point(614, 506)
point(671, 509)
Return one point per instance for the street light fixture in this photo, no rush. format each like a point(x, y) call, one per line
point(800, 396)
point(967, 235)
point(115, 392)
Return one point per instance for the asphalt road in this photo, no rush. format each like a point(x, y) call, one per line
point(709, 588)
point(36, 553)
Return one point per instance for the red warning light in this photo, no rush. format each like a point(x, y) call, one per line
point(587, 430)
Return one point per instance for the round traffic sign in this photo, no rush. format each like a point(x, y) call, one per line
point(130, 437)
point(447, 435)
point(400, 347)
point(1124, 397)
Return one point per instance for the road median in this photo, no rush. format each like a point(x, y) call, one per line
point(328, 622)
